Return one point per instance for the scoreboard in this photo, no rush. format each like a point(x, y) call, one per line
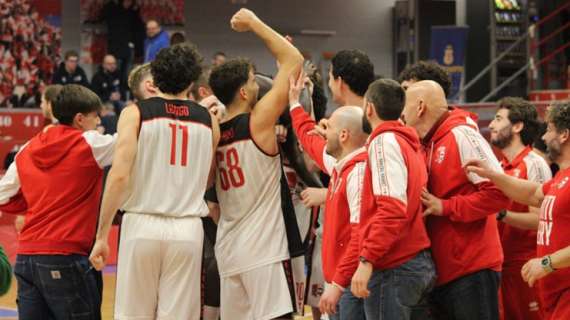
point(17, 126)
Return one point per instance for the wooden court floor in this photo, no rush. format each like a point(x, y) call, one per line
point(8, 302)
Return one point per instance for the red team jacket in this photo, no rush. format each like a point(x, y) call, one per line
point(391, 229)
point(465, 239)
point(340, 197)
point(59, 173)
point(519, 245)
point(553, 235)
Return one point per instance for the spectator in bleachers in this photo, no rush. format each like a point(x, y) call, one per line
point(126, 43)
point(108, 84)
point(108, 118)
point(28, 49)
point(156, 39)
point(69, 72)
point(48, 98)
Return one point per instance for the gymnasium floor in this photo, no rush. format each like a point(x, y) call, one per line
point(8, 302)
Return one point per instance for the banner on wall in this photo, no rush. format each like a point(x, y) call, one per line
point(30, 44)
point(166, 12)
point(448, 45)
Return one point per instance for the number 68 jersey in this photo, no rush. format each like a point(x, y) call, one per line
point(251, 231)
point(174, 156)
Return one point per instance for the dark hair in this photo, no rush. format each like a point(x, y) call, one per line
point(427, 70)
point(136, 77)
point(559, 115)
point(355, 69)
point(523, 111)
point(176, 38)
point(71, 53)
point(538, 143)
point(319, 97)
point(175, 68)
point(228, 78)
point(319, 101)
point(74, 99)
point(388, 98)
point(219, 53)
point(51, 92)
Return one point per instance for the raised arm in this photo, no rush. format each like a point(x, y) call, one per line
point(271, 106)
point(314, 145)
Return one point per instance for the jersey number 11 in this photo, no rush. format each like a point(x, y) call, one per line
point(184, 158)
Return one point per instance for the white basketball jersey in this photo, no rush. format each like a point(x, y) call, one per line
point(173, 160)
point(251, 231)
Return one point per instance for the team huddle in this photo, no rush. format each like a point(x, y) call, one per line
point(420, 219)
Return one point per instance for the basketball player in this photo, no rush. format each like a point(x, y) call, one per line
point(252, 242)
point(140, 82)
point(159, 176)
point(350, 74)
point(551, 270)
point(513, 131)
point(202, 93)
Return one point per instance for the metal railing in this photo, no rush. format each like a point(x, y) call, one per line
point(528, 35)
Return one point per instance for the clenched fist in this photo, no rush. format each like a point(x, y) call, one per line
point(242, 20)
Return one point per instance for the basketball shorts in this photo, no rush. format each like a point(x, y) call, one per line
point(159, 268)
point(263, 293)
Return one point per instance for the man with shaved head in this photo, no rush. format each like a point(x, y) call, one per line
point(461, 207)
point(341, 155)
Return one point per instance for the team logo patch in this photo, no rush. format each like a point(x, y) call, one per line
point(55, 274)
point(440, 155)
point(317, 290)
point(563, 183)
point(517, 172)
point(533, 306)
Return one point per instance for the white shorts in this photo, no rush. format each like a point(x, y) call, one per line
point(159, 268)
point(259, 294)
point(317, 280)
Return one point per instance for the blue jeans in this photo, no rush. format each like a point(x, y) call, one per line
point(399, 293)
point(57, 287)
point(349, 307)
point(471, 297)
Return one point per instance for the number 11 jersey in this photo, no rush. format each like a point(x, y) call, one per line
point(174, 156)
point(251, 231)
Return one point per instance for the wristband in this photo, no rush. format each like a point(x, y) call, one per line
point(295, 105)
point(501, 215)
